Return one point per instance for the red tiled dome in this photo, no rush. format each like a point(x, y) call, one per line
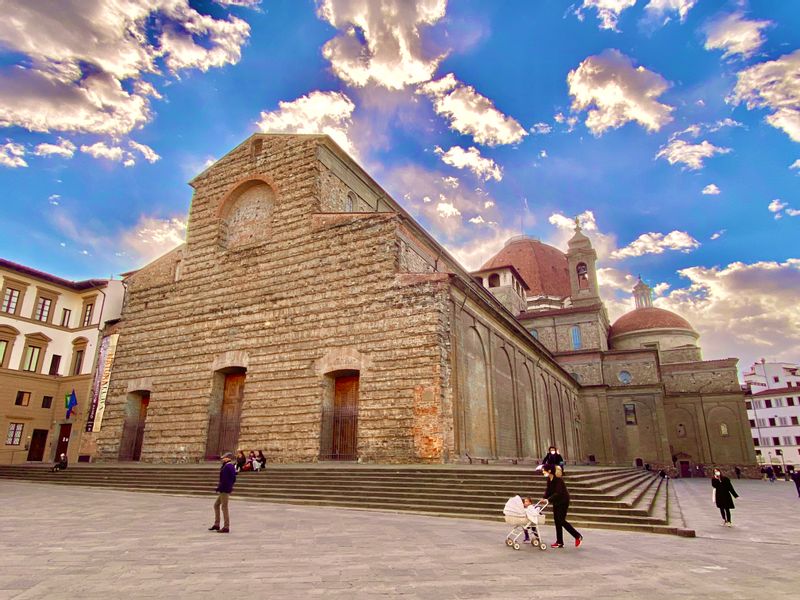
point(648, 318)
point(543, 267)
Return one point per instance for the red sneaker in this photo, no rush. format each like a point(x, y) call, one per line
point(556, 545)
point(578, 542)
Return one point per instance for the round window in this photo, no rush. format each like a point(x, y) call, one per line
point(625, 377)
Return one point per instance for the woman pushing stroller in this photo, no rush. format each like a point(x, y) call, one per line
point(556, 493)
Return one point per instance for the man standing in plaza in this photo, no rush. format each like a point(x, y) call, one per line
point(796, 479)
point(227, 477)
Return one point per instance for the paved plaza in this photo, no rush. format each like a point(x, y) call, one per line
point(72, 542)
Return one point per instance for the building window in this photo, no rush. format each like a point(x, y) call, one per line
point(778, 403)
point(787, 440)
point(783, 421)
point(66, 314)
point(535, 333)
point(789, 401)
point(775, 379)
point(77, 362)
point(794, 421)
point(47, 401)
point(3, 348)
point(756, 403)
point(630, 414)
point(14, 434)
point(42, 311)
point(771, 422)
point(625, 377)
point(31, 362)
point(87, 314)
point(776, 441)
point(797, 440)
point(23, 398)
point(761, 422)
point(55, 363)
point(768, 403)
point(78, 352)
point(349, 202)
point(749, 405)
point(10, 301)
point(752, 423)
point(494, 280)
point(755, 442)
point(582, 271)
point(575, 333)
point(723, 429)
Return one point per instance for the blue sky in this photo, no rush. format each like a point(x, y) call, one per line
point(670, 127)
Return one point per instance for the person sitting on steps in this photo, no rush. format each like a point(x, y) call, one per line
point(61, 464)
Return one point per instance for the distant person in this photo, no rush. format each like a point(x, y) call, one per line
point(662, 473)
point(723, 495)
point(552, 458)
point(241, 460)
point(556, 494)
point(227, 477)
point(61, 464)
point(770, 473)
point(261, 461)
point(796, 479)
point(738, 472)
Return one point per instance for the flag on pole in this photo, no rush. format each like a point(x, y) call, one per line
point(70, 402)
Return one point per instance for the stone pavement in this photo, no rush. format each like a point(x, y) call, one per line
point(70, 542)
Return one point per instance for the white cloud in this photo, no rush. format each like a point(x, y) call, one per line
point(718, 234)
point(11, 155)
point(616, 92)
point(776, 206)
point(484, 168)
point(451, 182)
point(540, 129)
point(470, 113)
point(244, 3)
point(152, 237)
point(83, 65)
point(603, 243)
point(477, 220)
point(482, 244)
point(773, 85)
point(54, 199)
point(317, 112)
point(608, 11)
point(792, 212)
point(711, 190)
point(657, 243)
point(691, 155)
point(735, 35)
point(447, 209)
point(146, 151)
point(795, 164)
point(542, 153)
point(742, 310)
point(488, 204)
point(658, 9)
point(570, 122)
point(381, 40)
point(63, 148)
point(101, 150)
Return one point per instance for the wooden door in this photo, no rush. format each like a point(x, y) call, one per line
point(63, 439)
point(345, 418)
point(38, 442)
point(139, 422)
point(686, 469)
point(231, 412)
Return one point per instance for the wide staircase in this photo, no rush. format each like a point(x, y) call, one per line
point(609, 498)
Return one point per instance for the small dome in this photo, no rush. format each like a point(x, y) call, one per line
point(542, 267)
point(642, 319)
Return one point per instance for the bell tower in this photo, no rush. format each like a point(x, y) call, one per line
point(581, 260)
point(642, 294)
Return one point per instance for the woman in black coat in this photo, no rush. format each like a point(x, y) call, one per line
point(557, 495)
point(553, 458)
point(723, 496)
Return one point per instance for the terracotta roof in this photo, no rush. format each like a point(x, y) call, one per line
point(649, 317)
point(543, 268)
point(78, 286)
point(779, 392)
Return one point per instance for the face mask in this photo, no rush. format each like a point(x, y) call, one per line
point(552, 451)
point(717, 473)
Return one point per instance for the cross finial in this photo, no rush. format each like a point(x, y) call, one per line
point(577, 224)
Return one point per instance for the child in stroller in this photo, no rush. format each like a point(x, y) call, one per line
point(526, 517)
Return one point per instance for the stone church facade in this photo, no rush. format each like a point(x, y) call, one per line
point(310, 316)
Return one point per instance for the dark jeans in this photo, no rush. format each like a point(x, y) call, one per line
point(560, 519)
point(726, 514)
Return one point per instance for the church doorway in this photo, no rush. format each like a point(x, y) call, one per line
point(130, 447)
point(38, 441)
point(339, 435)
point(223, 424)
point(686, 468)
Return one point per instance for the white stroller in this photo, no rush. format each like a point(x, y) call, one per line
point(524, 520)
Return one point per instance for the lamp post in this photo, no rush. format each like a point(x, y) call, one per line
point(779, 452)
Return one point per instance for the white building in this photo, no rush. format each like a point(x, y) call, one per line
point(773, 409)
point(50, 329)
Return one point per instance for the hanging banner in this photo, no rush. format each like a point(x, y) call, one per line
point(102, 377)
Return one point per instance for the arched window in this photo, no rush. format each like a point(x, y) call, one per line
point(494, 280)
point(246, 215)
point(583, 276)
point(349, 202)
point(535, 333)
point(575, 334)
point(723, 429)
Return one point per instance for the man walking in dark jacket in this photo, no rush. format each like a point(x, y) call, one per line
point(227, 477)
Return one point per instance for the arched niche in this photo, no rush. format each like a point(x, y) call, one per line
point(245, 214)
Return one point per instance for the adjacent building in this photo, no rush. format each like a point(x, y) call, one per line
point(49, 335)
point(772, 394)
point(309, 315)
